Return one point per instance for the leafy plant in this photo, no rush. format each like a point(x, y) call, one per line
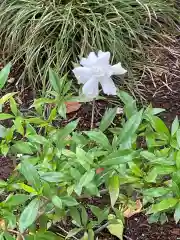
point(58, 169)
point(54, 33)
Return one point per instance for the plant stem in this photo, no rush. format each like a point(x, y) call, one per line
point(92, 115)
point(101, 228)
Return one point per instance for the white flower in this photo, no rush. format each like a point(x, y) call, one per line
point(96, 69)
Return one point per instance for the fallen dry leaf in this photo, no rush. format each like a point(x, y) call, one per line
point(2, 224)
point(72, 106)
point(131, 211)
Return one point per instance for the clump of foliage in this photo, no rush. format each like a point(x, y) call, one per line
point(56, 168)
point(53, 33)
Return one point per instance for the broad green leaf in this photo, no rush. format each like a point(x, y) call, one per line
point(52, 176)
point(154, 218)
point(130, 127)
point(4, 73)
point(114, 189)
point(54, 80)
point(29, 214)
point(2, 131)
point(99, 137)
point(75, 214)
point(177, 213)
point(62, 110)
point(9, 217)
point(13, 106)
point(83, 159)
point(119, 157)
point(84, 216)
point(3, 183)
point(31, 174)
point(6, 97)
point(163, 205)
point(130, 103)
point(178, 137)
point(135, 169)
point(175, 126)
point(100, 214)
point(178, 160)
point(27, 188)
point(8, 236)
point(15, 200)
point(156, 192)
point(107, 119)
point(57, 202)
point(69, 128)
point(84, 181)
point(37, 139)
point(159, 125)
point(5, 116)
point(69, 201)
point(73, 232)
point(116, 229)
point(22, 147)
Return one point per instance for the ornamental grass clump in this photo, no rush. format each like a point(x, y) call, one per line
point(53, 33)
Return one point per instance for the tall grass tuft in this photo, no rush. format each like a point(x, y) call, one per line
point(54, 32)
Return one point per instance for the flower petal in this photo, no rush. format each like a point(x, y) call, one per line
point(90, 88)
point(103, 57)
point(89, 61)
point(117, 69)
point(108, 86)
point(82, 74)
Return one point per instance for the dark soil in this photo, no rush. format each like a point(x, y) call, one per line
point(6, 167)
point(137, 228)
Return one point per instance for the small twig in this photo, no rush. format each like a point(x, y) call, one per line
point(92, 116)
point(128, 238)
point(63, 230)
point(17, 233)
point(101, 228)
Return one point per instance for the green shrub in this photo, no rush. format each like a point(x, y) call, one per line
point(53, 33)
point(56, 168)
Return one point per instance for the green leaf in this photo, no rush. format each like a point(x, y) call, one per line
point(4, 73)
point(31, 175)
point(75, 214)
point(114, 189)
point(99, 137)
point(159, 125)
point(107, 119)
point(156, 192)
point(130, 104)
point(116, 229)
point(52, 176)
point(22, 147)
point(54, 80)
point(178, 137)
point(8, 236)
point(57, 202)
point(69, 201)
point(73, 232)
point(5, 116)
point(29, 214)
point(13, 106)
point(178, 160)
point(100, 214)
point(62, 110)
point(15, 200)
point(119, 157)
point(69, 128)
point(177, 213)
point(37, 139)
point(175, 126)
point(130, 127)
point(84, 181)
point(163, 205)
point(84, 216)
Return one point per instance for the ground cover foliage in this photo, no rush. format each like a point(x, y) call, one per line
point(54, 33)
point(134, 166)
